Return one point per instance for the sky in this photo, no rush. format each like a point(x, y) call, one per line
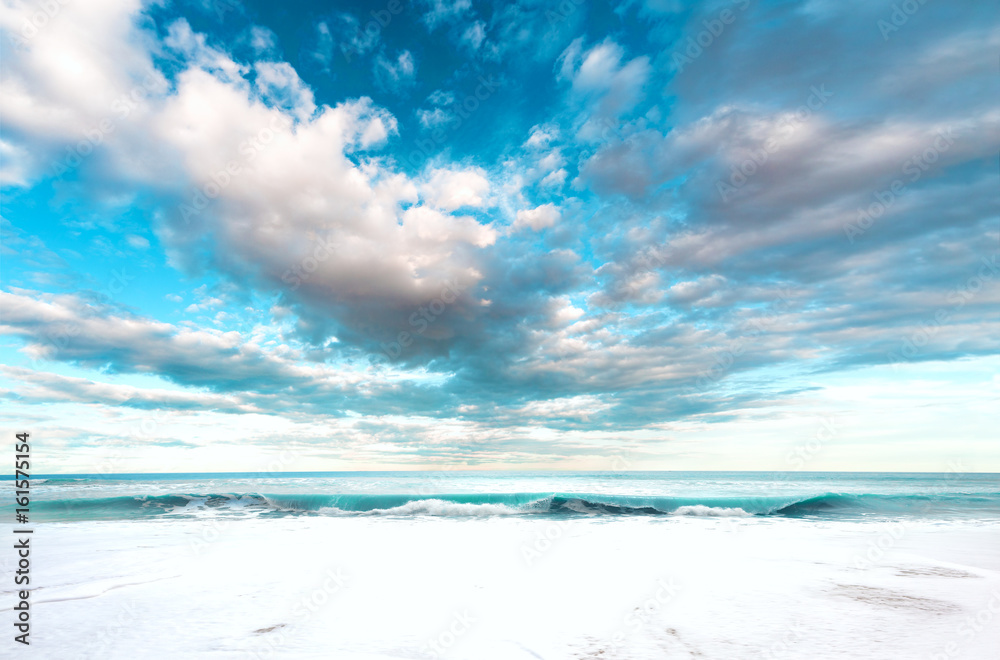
point(416, 234)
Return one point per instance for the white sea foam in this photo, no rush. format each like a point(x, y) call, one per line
point(716, 511)
point(432, 507)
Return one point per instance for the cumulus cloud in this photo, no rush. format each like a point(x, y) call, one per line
point(453, 189)
point(537, 218)
point(541, 136)
point(48, 104)
point(251, 201)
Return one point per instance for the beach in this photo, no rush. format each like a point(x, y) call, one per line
point(215, 582)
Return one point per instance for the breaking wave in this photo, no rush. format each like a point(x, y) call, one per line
point(507, 504)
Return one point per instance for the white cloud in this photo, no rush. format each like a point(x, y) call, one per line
point(281, 194)
point(14, 166)
point(580, 407)
point(441, 97)
point(602, 79)
point(429, 225)
point(431, 119)
point(204, 305)
point(194, 47)
point(474, 35)
point(438, 115)
point(554, 179)
point(537, 218)
point(345, 36)
point(70, 329)
point(44, 387)
point(541, 137)
point(263, 40)
point(440, 11)
point(395, 74)
point(60, 87)
point(279, 85)
point(281, 210)
point(454, 189)
point(324, 45)
point(138, 242)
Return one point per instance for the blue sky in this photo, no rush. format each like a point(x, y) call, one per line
point(587, 235)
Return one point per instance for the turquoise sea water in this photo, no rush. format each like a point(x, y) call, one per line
point(811, 495)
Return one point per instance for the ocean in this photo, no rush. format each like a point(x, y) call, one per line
point(513, 565)
point(831, 495)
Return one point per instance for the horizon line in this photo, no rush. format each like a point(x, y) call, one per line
point(12, 477)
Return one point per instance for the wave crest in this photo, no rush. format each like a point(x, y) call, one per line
point(508, 504)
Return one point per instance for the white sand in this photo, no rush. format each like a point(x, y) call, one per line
point(514, 588)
